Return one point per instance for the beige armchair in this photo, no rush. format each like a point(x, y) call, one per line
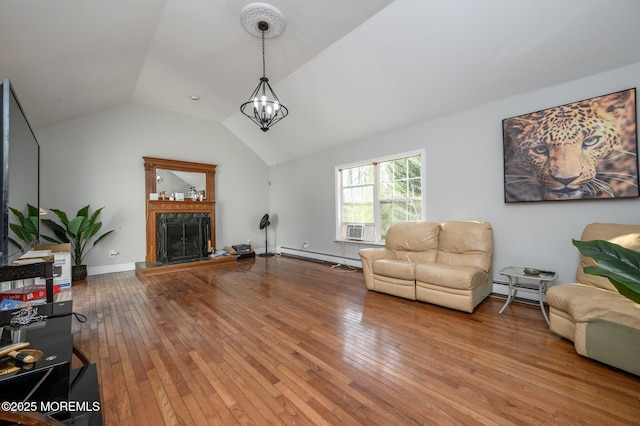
point(448, 264)
point(602, 324)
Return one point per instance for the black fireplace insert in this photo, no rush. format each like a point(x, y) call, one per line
point(182, 237)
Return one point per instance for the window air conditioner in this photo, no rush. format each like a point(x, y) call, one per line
point(355, 232)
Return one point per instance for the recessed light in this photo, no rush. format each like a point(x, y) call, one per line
point(195, 98)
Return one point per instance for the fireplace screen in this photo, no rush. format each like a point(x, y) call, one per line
point(182, 237)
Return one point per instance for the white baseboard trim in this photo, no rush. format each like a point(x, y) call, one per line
point(108, 269)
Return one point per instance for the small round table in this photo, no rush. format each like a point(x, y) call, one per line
point(537, 284)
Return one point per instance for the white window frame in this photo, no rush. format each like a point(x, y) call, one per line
point(373, 231)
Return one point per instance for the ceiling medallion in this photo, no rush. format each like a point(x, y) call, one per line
point(254, 13)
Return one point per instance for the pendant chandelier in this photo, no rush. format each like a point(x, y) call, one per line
point(263, 107)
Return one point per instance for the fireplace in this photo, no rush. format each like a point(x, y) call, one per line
point(179, 233)
point(182, 237)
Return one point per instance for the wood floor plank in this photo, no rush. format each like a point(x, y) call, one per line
point(165, 379)
point(282, 341)
point(168, 413)
point(152, 414)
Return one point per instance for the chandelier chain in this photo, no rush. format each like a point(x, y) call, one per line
point(264, 71)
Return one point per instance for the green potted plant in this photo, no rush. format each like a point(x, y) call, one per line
point(78, 232)
point(619, 264)
point(27, 228)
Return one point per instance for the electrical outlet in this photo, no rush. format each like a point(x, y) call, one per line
point(249, 241)
point(113, 253)
point(305, 245)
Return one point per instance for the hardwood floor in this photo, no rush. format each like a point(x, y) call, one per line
point(287, 341)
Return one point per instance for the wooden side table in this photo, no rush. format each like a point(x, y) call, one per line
point(536, 284)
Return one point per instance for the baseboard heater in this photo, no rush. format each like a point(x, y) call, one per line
point(319, 256)
point(529, 298)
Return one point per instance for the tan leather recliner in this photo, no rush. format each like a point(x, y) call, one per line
point(447, 264)
point(602, 324)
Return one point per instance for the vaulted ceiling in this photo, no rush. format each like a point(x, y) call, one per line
point(346, 69)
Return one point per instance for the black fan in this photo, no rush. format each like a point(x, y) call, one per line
point(264, 224)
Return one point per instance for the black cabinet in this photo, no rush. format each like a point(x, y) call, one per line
point(49, 385)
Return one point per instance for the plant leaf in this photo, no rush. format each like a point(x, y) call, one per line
point(621, 265)
point(92, 230)
point(33, 211)
point(75, 227)
point(84, 212)
point(15, 243)
point(30, 225)
point(627, 291)
point(621, 261)
point(95, 214)
point(20, 233)
point(51, 240)
point(61, 215)
point(27, 228)
point(59, 231)
point(18, 213)
point(102, 236)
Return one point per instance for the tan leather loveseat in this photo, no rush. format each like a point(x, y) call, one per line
point(448, 264)
point(601, 323)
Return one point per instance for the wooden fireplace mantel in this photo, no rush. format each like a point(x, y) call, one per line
point(154, 207)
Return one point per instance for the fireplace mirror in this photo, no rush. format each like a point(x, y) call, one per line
point(180, 182)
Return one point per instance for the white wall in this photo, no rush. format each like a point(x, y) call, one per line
point(464, 174)
point(97, 160)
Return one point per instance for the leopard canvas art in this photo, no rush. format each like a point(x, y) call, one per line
point(582, 150)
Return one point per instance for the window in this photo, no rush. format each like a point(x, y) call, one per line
point(377, 193)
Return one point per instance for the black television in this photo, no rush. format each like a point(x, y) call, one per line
point(19, 178)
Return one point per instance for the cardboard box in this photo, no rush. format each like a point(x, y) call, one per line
point(61, 264)
point(28, 293)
